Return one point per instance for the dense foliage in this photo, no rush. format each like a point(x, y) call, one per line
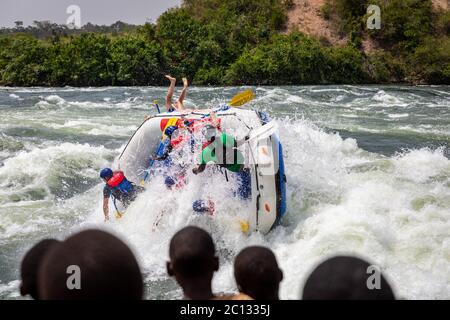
point(235, 42)
point(413, 39)
point(296, 59)
point(44, 29)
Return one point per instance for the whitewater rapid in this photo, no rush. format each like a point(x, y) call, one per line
point(368, 173)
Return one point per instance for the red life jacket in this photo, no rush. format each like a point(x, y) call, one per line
point(118, 181)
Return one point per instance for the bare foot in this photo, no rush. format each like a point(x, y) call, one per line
point(172, 79)
point(185, 82)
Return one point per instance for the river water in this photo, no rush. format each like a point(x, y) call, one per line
point(368, 173)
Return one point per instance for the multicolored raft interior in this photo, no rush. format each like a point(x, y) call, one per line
point(235, 141)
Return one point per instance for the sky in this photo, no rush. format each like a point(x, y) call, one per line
point(101, 12)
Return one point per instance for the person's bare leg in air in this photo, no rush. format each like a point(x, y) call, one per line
point(179, 105)
point(169, 105)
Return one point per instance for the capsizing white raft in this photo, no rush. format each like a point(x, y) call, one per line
point(262, 152)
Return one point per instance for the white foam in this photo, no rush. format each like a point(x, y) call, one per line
point(10, 289)
point(51, 90)
point(33, 168)
point(341, 199)
point(349, 210)
point(55, 99)
point(95, 128)
point(371, 215)
point(107, 105)
point(422, 165)
point(112, 130)
point(398, 115)
point(14, 96)
point(426, 129)
point(387, 99)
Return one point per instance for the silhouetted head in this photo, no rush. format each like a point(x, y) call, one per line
point(193, 262)
point(30, 266)
point(90, 265)
point(257, 273)
point(346, 278)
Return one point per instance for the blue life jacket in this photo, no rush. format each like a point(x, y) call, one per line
point(119, 182)
point(163, 149)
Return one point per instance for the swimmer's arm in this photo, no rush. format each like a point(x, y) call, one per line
point(106, 208)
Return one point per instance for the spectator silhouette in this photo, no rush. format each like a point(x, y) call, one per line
point(257, 273)
point(30, 266)
point(345, 278)
point(107, 269)
point(193, 262)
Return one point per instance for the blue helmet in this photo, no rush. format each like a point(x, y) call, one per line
point(170, 130)
point(106, 173)
point(169, 182)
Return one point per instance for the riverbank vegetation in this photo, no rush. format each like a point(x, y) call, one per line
point(237, 42)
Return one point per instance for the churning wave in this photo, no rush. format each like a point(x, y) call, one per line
point(390, 207)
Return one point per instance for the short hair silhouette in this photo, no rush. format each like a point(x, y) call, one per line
point(30, 266)
point(344, 278)
point(108, 269)
point(257, 273)
point(193, 262)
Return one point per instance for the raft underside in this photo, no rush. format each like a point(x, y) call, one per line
point(265, 201)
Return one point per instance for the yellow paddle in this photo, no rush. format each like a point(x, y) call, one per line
point(245, 226)
point(119, 215)
point(242, 98)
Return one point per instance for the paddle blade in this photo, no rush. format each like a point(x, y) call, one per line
point(244, 225)
point(119, 215)
point(242, 98)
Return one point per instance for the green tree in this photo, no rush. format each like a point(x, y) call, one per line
point(346, 65)
point(136, 61)
point(404, 22)
point(179, 35)
point(83, 60)
point(432, 61)
point(293, 59)
point(22, 60)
